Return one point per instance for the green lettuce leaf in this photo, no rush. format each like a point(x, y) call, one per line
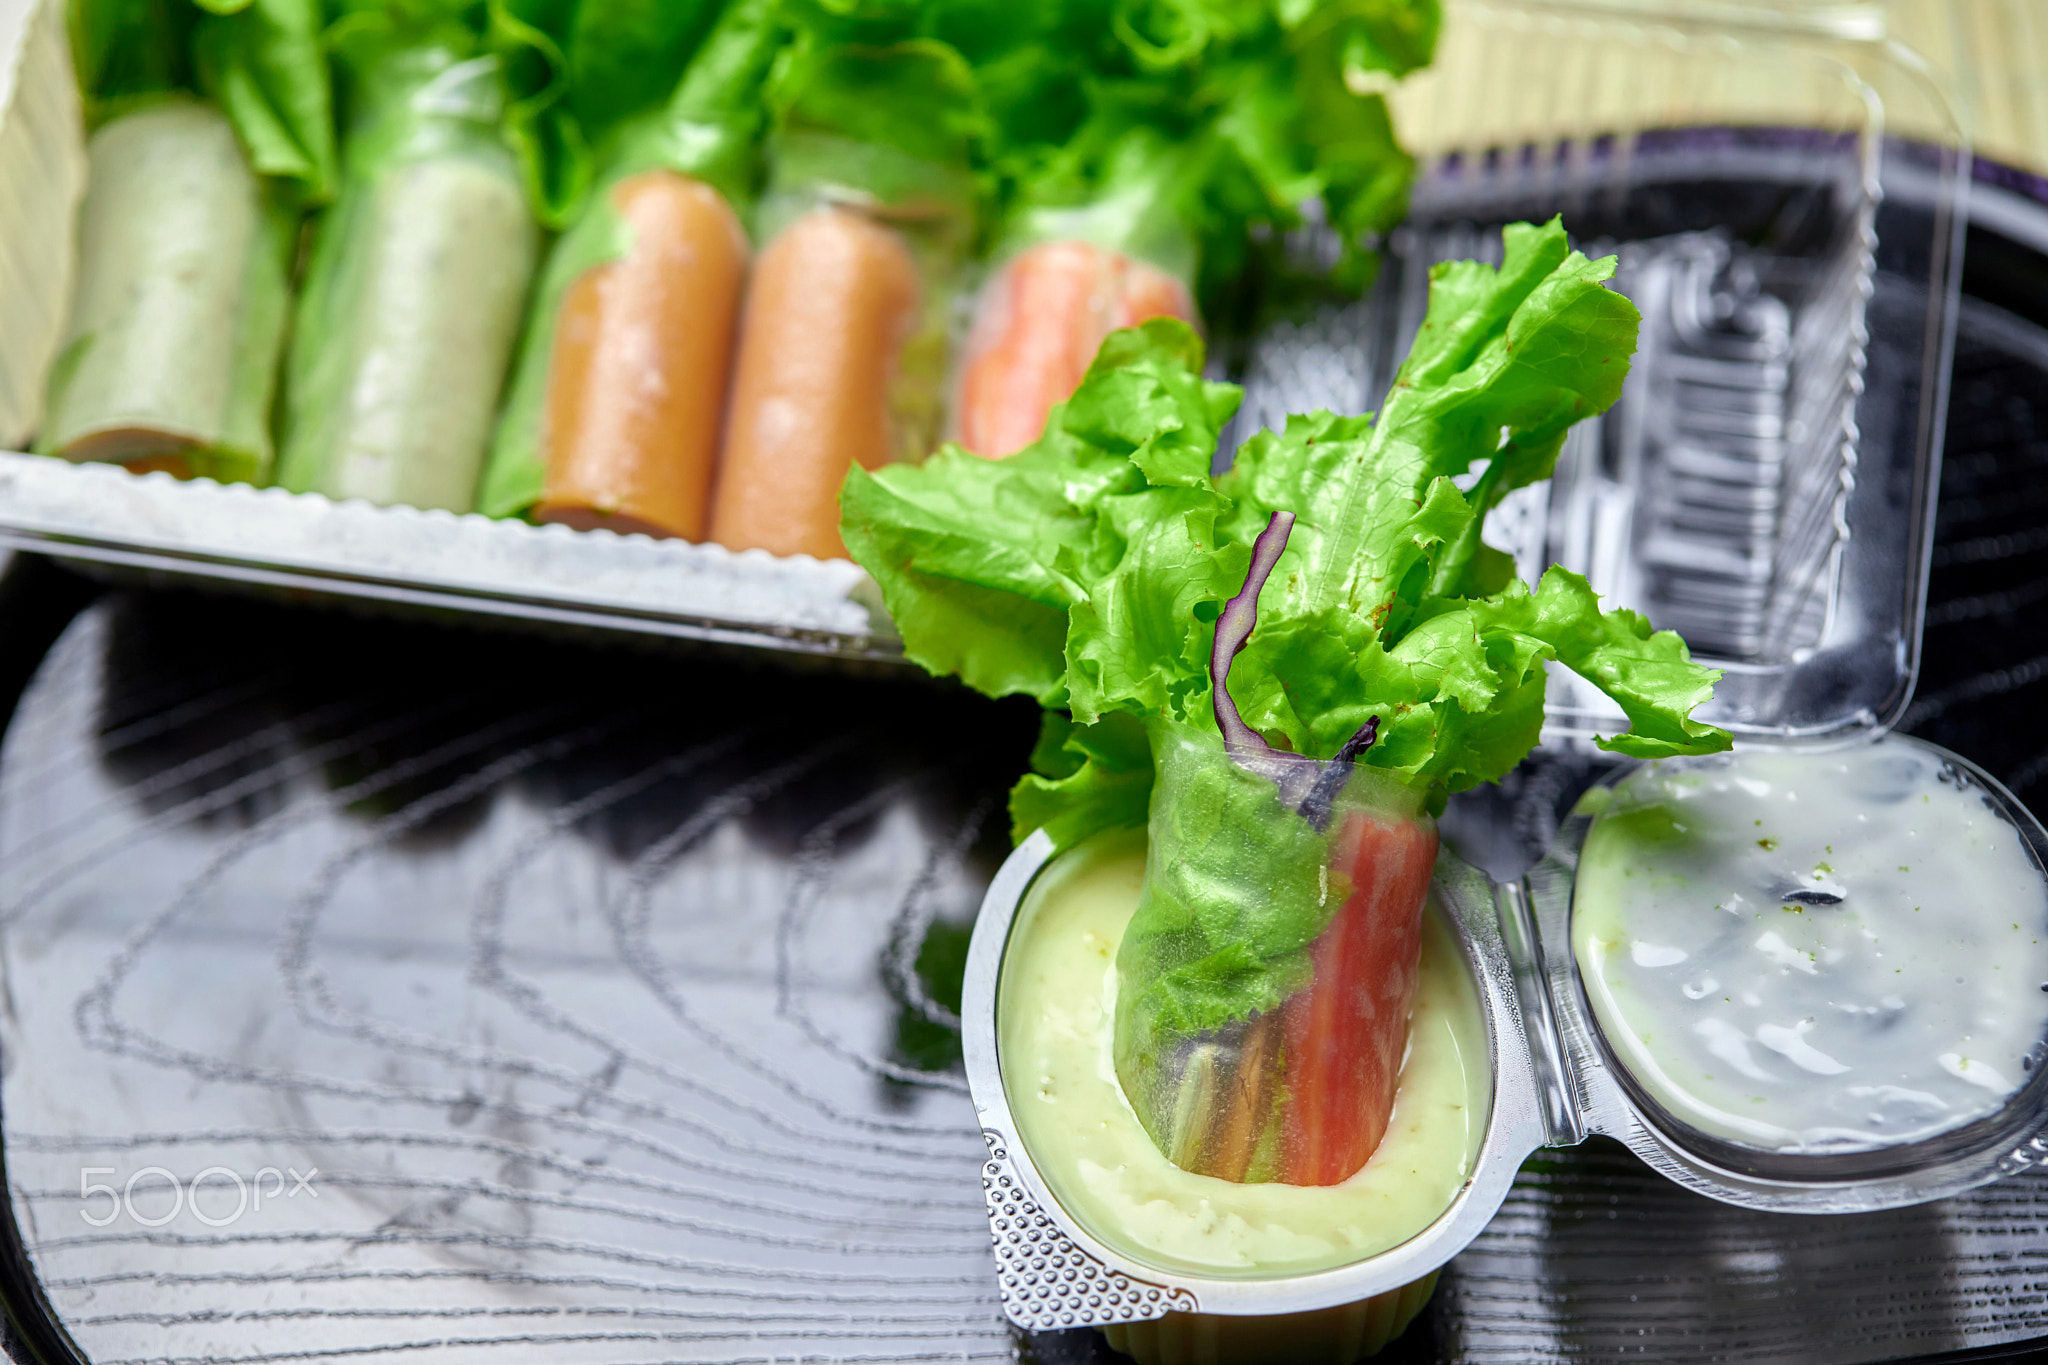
point(575, 72)
point(264, 62)
point(1201, 119)
point(1084, 778)
point(1032, 63)
point(980, 561)
point(712, 125)
point(916, 98)
point(967, 558)
point(1088, 570)
point(122, 49)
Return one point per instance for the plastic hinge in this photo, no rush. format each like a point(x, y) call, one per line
point(1563, 1123)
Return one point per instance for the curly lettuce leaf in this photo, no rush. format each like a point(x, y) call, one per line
point(1084, 778)
point(980, 561)
point(575, 71)
point(1204, 118)
point(1649, 673)
point(916, 98)
point(1527, 349)
point(965, 551)
point(1386, 566)
point(1310, 121)
point(1032, 63)
point(262, 61)
point(1088, 570)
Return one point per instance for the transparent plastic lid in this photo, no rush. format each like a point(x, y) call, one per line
point(1785, 203)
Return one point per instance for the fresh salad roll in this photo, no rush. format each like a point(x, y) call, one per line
point(1282, 672)
point(615, 409)
point(1268, 1046)
point(1101, 235)
point(843, 336)
point(1068, 277)
point(170, 359)
point(1194, 139)
point(416, 281)
point(212, 136)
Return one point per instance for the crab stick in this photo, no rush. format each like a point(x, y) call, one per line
point(834, 298)
point(642, 352)
point(1347, 1031)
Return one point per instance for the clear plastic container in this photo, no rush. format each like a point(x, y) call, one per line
point(1765, 485)
point(1556, 1075)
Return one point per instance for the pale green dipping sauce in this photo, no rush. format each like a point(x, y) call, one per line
point(1054, 1007)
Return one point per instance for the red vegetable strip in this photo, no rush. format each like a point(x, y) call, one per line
point(1347, 1032)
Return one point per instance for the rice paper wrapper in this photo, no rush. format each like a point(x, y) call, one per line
point(1264, 984)
point(880, 132)
point(1136, 215)
point(1039, 320)
point(1098, 243)
point(171, 349)
point(414, 293)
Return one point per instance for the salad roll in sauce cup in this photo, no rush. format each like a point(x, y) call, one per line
point(1265, 981)
point(1254, 1057)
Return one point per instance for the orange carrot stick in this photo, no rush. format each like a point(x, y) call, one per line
point(1039, 324)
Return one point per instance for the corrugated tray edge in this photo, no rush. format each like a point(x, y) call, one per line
point(306, 542)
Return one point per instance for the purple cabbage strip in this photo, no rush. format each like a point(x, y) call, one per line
point(1321, 801)
point(1310, 793)
point(1234, 629)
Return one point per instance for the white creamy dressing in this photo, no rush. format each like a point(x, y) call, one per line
point(1807, 952)
point(1054, 1007)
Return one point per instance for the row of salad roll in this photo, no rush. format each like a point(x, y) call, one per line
point(676, 268)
